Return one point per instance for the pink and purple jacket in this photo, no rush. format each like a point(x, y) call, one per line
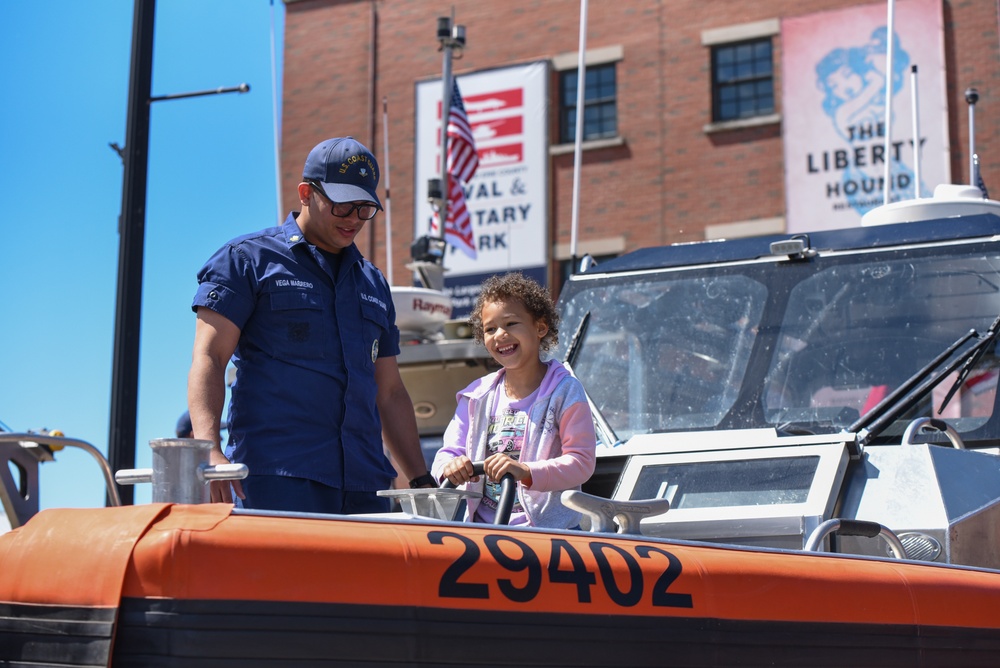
point(559, 442)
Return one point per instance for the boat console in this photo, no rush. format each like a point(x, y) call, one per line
point(767, 386)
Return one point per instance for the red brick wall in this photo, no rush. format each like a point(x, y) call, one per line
point(972, 60)
point(667, 182)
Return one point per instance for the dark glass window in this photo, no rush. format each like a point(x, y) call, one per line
point(600, 103)
point(740, 482)
point(742, 80)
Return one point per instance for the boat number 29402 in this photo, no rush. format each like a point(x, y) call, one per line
point(566, 566)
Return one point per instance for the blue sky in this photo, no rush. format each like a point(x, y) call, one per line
point(212, 176)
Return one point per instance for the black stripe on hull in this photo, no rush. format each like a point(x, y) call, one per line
point(218, 634)
point(55, 635)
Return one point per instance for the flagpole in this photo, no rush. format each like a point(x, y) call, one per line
point(388, 209)
point(916, 129)
point(581, 78)
point(275, 122)
point(887, 185)
point(445, 24)
point(449, 37)
point(971, 97)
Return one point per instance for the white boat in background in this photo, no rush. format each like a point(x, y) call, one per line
point(420, 312)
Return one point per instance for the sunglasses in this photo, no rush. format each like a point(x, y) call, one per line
point(366, 210)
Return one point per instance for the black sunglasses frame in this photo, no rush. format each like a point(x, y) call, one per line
point(353, 206)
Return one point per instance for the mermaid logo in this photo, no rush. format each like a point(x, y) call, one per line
point(853, 82)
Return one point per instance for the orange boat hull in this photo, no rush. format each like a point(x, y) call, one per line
point(183, 585)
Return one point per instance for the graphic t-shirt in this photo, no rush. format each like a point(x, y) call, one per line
point(505, 434)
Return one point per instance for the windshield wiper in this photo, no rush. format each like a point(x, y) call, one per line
point(917, 386)
point(976, 356)
point(577, 340)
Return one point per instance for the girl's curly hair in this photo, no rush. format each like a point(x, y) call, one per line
point(536, 299)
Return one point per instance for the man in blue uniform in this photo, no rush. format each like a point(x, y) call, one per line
point(310, 326)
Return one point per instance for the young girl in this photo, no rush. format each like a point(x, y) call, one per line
point(530, 419)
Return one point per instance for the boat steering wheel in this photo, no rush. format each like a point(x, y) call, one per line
point(508, 492)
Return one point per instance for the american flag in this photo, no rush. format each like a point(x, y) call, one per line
point(458, 224)
point(463, 161)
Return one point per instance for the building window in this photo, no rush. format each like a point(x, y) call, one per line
point(742, 80)
point(600, 116)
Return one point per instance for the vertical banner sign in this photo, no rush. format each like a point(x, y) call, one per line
point(507, 197)
point(833, 110)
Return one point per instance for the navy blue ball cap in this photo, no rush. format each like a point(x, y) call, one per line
point(346, 169)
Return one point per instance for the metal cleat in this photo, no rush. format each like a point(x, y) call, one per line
point(609, 516)
point(181, 471)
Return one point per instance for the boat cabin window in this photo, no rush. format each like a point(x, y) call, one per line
point(670, 354)
point(741, 482)
point(853, 333)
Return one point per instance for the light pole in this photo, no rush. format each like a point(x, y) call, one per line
point(131, 232)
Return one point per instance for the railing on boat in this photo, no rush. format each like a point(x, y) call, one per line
point(21, 453)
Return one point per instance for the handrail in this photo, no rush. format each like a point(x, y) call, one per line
point(60, 442)
point(849, 527)
point(925, 424)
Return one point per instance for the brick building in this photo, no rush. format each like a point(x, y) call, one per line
point(691, 136)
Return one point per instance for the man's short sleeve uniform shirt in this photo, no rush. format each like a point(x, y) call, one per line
point(303, 403)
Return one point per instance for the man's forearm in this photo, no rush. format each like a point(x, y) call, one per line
point(206, 397)
point(399, 433)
